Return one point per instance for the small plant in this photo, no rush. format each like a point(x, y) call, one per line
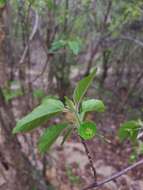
point(133, 131)
point(74, 45)
point(51, 107)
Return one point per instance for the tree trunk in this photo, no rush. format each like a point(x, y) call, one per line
point(2, 37)
point(16, 171)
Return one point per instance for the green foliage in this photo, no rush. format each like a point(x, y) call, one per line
point(70, 104)
point(132, 130)
point(2, 3)
point(126, 12)
point(10, 94)
point(129, 130)
point(82, 87)
point(92, 105)
point(87, 130)
point(49, 137)
point(46, 98)
point(74, 46)
point(39, 93)
point(39, 115)
point(137, 150)
point(50, 107)
point(50, 4)
point(58, 44)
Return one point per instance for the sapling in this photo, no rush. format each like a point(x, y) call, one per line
point(77, 106)
point(51, 107)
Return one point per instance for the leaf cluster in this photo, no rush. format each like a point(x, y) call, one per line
point(51, 107)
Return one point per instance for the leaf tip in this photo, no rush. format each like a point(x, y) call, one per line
point(14, 131)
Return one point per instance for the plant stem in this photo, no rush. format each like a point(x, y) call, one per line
point(90, 159)
point(76, 113)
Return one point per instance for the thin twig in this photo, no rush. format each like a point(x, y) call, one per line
point(107, 14)
point(129, 38)
point(30, 38)
point(90, 160)
point(93, 53)
point(47, 60)
point(113, 177)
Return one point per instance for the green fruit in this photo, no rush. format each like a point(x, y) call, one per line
point(87, 130)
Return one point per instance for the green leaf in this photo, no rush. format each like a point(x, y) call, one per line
point(74, 46)
point(49, 137)
point(82, 116)
point(69, 103)
point(82, 87)
point(87, 130)
point(129, 130)
point(56, 45)
point(39, 115)
point(46, 98)
point(93, 105)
